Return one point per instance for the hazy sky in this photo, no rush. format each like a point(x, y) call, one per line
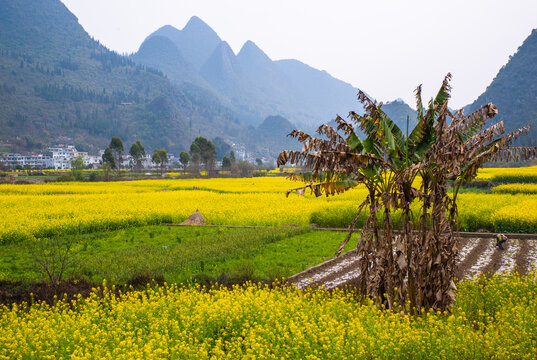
point(385, 47)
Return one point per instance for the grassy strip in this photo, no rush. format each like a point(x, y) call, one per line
point(178, 254)
point(516, 178)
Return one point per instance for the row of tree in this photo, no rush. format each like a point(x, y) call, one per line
point(202, 153)
point(113, 155)
point(202, 156)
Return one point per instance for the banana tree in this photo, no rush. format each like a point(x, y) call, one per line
point(417, 265)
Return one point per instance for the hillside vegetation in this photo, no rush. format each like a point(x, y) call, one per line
point(514, 91)
point(59, 85)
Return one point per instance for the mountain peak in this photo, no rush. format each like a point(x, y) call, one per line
point(396, 101)
point(249, 45)
point(251, 52)
point(398, 110)
point(158, 43)
point(196, 41)
point(161, 53)
point(167, 31)
point(198, 26)
point(167, 28)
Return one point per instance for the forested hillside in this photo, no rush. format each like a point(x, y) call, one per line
point(514, 91)
point(57, 84)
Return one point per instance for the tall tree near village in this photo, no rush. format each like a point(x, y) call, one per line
point(205, 151)
point(116, 145)
point(184, 158)
point(108, 158)
point(160, 157)
point(163, 159)
point(137, 151)
point(226, 163)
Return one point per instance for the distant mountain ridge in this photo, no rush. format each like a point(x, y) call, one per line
point(250, 82)
point(197, 40)
point(57, 84)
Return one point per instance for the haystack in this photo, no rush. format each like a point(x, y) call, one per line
point(195, 219)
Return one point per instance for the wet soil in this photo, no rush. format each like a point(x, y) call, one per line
point(522, 260)
point(495, 261)
point(471, 258)
point(18, 292)
point(338, 274)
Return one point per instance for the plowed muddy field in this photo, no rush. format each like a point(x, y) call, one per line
point(477, 255)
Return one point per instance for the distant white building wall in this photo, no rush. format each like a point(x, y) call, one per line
point(63, 155)
point(126, 161)
point(92, 160)
point(33, 161)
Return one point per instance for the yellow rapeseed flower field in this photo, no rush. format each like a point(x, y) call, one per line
point(515, 189)
point(258, 322)
point(56, 208)
point(51, 209)
point(526, 174)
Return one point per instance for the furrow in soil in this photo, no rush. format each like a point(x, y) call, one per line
point(483, 260)
point(317, 277)
point(467, 247)
point(509, 259)
point(496, 259)
point(464, 266)
point(532, 255)
point(476, 255)
point(344, 275)
point(522, 258)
